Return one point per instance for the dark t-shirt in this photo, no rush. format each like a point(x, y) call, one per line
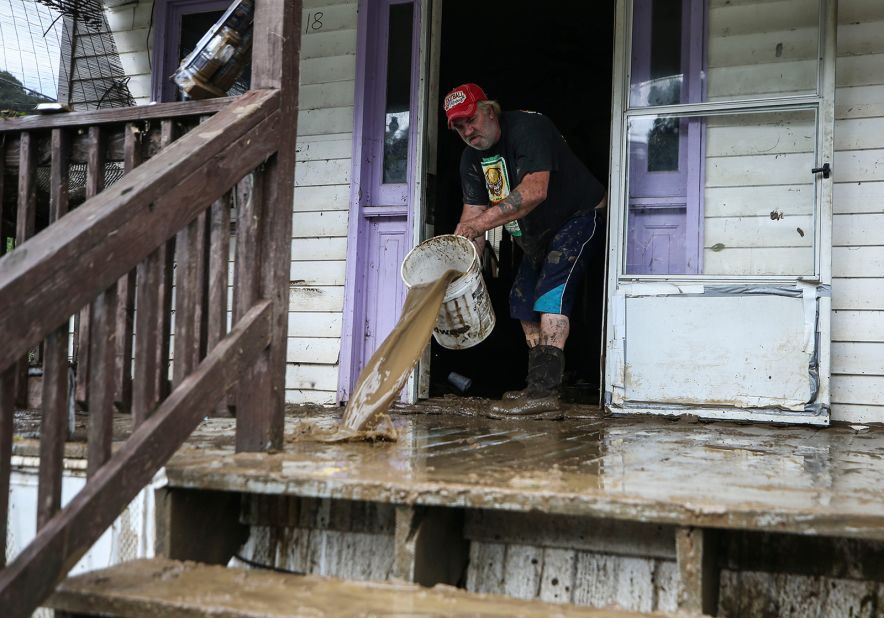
point(529, 142)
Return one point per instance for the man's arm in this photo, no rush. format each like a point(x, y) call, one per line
point(530, 193)
point(470, 212)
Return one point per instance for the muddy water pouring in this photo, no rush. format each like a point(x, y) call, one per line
point(466, 317)
point(387, 370)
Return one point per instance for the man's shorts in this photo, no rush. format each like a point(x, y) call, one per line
point(551, 283)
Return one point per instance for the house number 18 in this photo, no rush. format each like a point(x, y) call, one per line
point(314, 22)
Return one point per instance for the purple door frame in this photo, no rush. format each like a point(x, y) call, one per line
point(167, 35)
point(370, 200)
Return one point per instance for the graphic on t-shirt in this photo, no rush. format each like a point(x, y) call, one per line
point(497, 181)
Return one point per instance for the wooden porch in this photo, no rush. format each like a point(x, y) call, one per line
point(641, 514)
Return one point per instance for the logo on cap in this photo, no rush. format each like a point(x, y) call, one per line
point(455, 98)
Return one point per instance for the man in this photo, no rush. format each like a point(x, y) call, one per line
point(519, 172)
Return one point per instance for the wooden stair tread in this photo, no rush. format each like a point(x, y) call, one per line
point(160, 587)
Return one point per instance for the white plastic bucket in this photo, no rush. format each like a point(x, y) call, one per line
point(466, 316)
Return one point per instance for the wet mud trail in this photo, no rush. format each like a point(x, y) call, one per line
point(385, 373)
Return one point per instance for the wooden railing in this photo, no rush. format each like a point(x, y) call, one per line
point(108, 266)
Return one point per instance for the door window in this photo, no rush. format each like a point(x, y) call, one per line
point(721, 137)
point(180, 26)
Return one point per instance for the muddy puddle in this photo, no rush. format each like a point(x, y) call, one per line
point(385, 373)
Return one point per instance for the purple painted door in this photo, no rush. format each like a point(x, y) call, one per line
point(665, 152)
point(380, 231)
point(387, 247)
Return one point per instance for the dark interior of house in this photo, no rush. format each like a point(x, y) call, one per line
point(554, 58)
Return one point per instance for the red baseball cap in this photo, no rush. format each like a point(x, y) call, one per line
point(461, 102)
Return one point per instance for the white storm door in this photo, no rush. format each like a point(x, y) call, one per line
point(744, 334)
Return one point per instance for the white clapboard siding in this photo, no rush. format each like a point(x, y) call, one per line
point(858, 198)
point(321, 200)
point(746, 18)
point(131, 25)
point(759, 232)
point(323, 350)
point(858, 229)
point(316, 298)
point(327, 197)
point(757, 261)
point(305, 376)
point(859, 101)
point(763, 47)
point(856, 11)
point(319, 249)
point(857, 389)
point(299, 396)
point(860, 358)
point(850, 325)
point(762, 79)
point(859, 165)
point(322, 172)
point(330, 146)
point(860, 38)
point(331, 94)
point(858, 261)
point(325, 121)
point(857, 234)
point(331, 43)
point(318, 273)
point(859, 294)
point(314, 324)
point(860, 70)
point(319, 224)
point(135, 62)
point(758, 201)
point(852, 413)
point(130, 40)
point(746, 135)
point(859, 133)
point(787, 169)
point(327, 17)
point(328, 69)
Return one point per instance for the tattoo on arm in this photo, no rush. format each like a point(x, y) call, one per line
point(512, 203)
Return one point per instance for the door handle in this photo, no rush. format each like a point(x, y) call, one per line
point(825, 169)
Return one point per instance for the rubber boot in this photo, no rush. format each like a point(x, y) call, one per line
point(540, 398)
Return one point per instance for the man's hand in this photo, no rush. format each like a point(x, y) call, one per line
point(469, 229)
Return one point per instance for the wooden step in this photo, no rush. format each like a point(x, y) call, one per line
point(150, 588)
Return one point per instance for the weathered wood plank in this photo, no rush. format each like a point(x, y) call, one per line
point(698, 570)
point(218, 264)
point(117, 115)
point(57, 547)
point(486, 572)
point(145, 393)
point(276, 57)
point(126, 293)
point(189, 291)
point(167, 588)
point(522, 567)
point(53, 423)
point(101, 380)
point(110, 234)
point(6, 229)
point(557, 578)
point(94, 185)
point(600, 535)
point(166, 265)
point(25, 224)
point(59, 178)
point(7, 409)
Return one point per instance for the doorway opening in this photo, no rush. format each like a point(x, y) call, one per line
point(555, 58)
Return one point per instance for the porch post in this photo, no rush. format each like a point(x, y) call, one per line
point(275, 56)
